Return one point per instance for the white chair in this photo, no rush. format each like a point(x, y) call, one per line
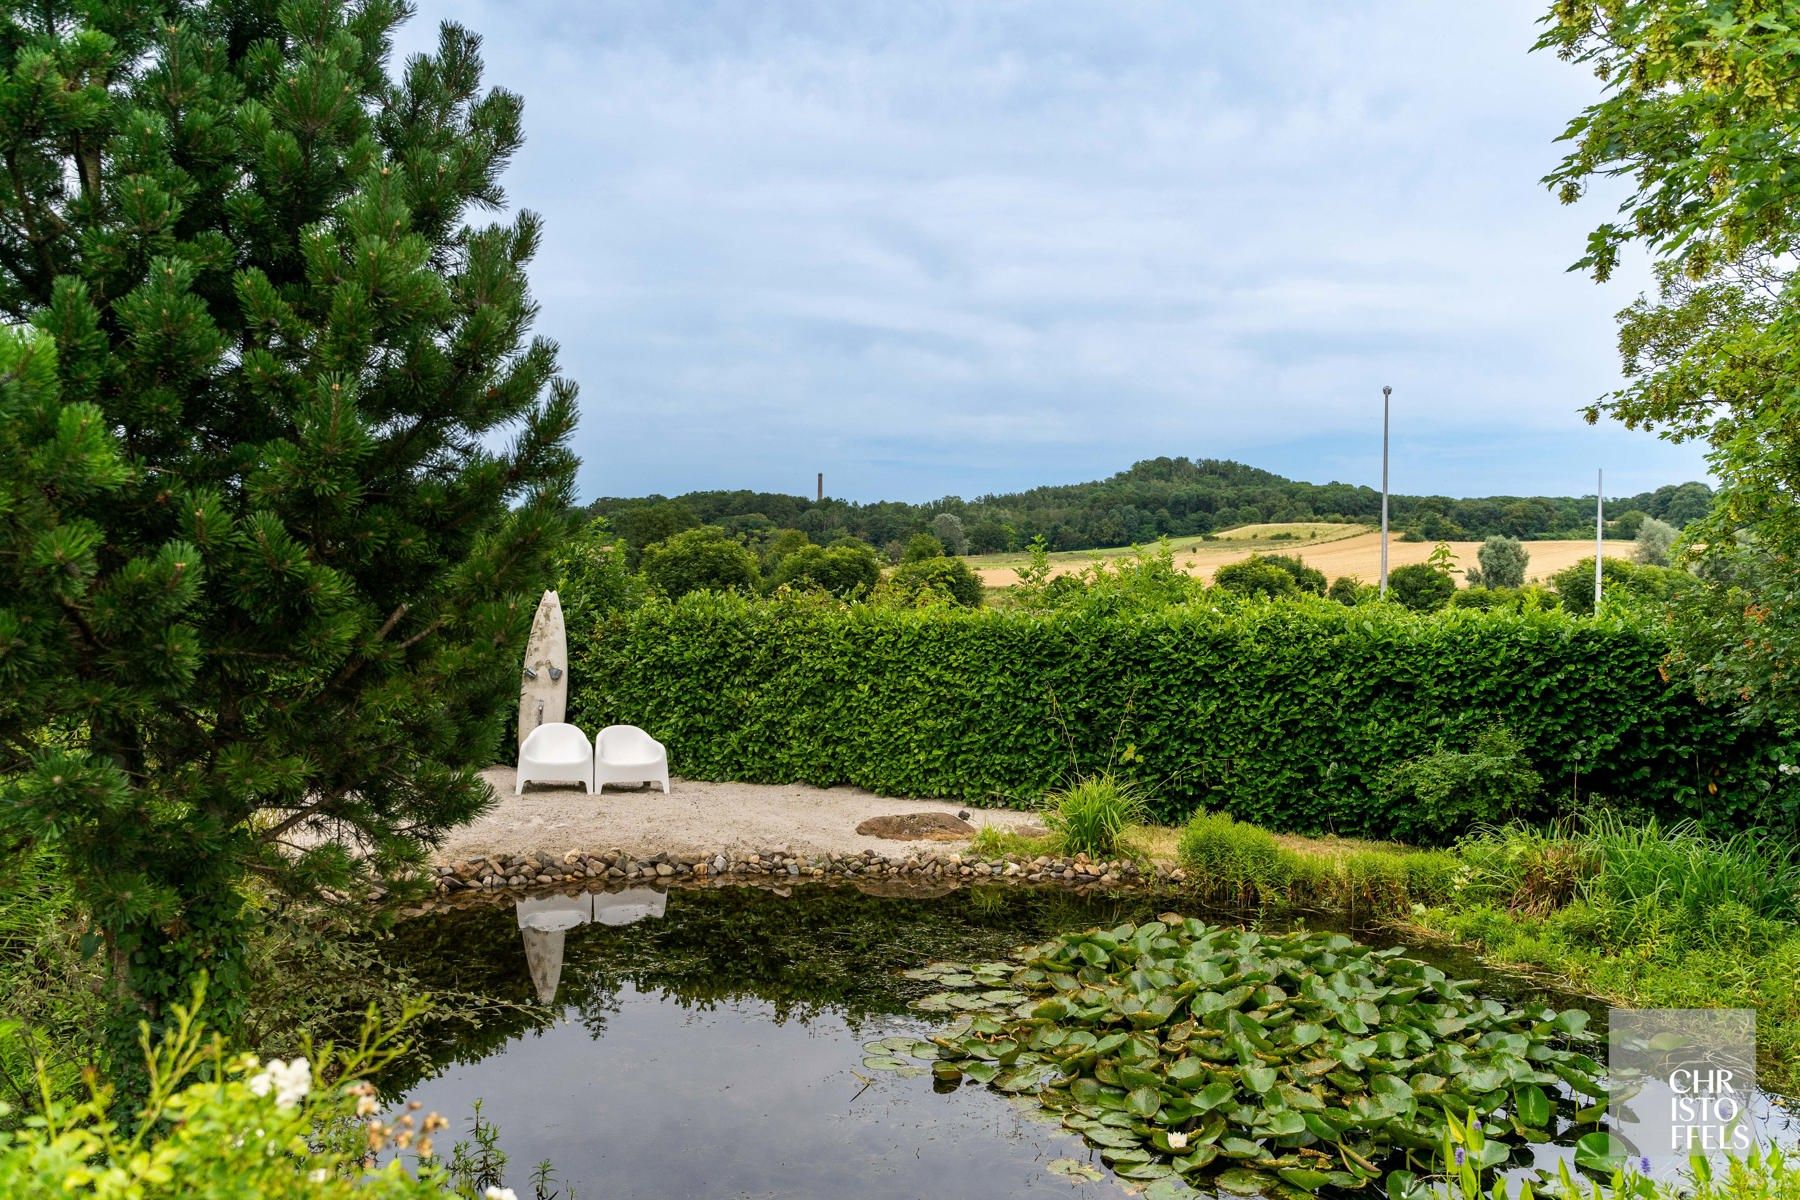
point(555, 753)
point(626, 754)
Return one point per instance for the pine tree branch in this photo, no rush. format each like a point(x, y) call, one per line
point(356, 664)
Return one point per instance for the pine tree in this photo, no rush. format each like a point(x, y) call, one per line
point(281, 459)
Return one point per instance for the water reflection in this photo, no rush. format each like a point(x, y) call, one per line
point(543, 920)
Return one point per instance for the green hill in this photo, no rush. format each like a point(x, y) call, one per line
point(1176, 497)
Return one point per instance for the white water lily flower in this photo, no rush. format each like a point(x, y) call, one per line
point(290, 1081)
point(500, 1193)
point(1178, 1141)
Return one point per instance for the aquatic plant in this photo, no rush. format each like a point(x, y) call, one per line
point(1268, 1062)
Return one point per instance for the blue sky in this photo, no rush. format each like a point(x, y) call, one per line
point(956, 248)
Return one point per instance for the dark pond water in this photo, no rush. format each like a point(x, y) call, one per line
point(709, 1041)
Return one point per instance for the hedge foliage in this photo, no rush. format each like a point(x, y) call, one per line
point(1280, 713)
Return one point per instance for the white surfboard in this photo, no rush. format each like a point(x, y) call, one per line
point(544, 683)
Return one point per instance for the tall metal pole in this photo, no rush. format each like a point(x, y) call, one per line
point(1385, 393)
point(1599, 530)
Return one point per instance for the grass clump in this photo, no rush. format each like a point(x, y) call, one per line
point(996, 841)
point(1229, 857)
point(1092, 816)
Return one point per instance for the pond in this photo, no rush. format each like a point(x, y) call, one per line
point(711, 1040)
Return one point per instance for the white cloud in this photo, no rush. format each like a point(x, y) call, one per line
point(944, 247)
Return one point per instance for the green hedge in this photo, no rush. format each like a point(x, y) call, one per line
point(1283, 713)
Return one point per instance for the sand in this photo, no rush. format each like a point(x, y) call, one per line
point(1359, 556)
point(695, 816)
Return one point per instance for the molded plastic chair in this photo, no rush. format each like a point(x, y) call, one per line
point(555, 753)
point(626, 754)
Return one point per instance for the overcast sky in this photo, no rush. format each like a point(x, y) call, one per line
point(958, 248)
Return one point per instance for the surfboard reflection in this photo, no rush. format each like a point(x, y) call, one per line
point(544, 920)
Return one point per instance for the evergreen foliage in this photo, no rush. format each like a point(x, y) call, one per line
point(278, 458)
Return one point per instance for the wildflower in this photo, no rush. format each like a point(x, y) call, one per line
point(1459, 1156)
point(318, 1175)
point(289, 1081)
point(1178, 1141)
point(500, 1193)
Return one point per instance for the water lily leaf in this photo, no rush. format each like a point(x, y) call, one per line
point(1120, 1138)
point(1148, 1170)
point(1242, 1182)
point(1213, 1095)
point(882, 1062)
point(1259, 1079)
point(1305, 1178)
point(1073, 1169)
point(1306, 1033)
point(1126, 1155)
point(1169, 1188)
point(1281, 1124)
point(981, 1072)
point(1144, 1101)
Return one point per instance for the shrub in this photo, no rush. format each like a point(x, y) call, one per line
point(1421, 587)
point(1574, 585)
point(1088, 817)
point(703, 559)
point(847, 569)
point(221, 1126)
point(1256, 576)
point(592, 578)
point(1347, 589)
point(1503, 562)
point(1438, 797)
point(928, 581)
point(1282, 714)
point(1654, 541)
point(921, 546)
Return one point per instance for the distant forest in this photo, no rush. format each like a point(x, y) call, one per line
point(1174, 497)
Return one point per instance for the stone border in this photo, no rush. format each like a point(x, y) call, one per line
point(493, 873)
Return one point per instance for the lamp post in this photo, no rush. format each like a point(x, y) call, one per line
point(1386, 392)
point(1599, 531)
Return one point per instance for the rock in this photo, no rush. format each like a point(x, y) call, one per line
point(917, 827)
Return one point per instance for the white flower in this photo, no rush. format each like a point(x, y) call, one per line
point(499, 1193)
point(290, 1081)
point(318, 1175)
point(1178, 1141)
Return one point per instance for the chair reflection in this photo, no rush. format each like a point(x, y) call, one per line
point(543, 920)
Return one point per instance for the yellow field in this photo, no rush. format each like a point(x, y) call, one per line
point(1334, 549)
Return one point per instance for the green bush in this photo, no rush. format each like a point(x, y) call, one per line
point(1283, 714)
point(1574, 585)
point(1420, 587)
point(223, 1126)
point(1347, 589)
point(1503, 561)
point(1439, 797)
point(847, 569)
point(1256, 576)
point(920, 547)
point(697, 560)
point(928, 581)
point(1088, 817)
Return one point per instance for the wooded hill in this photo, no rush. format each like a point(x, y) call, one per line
point(1176, 497)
